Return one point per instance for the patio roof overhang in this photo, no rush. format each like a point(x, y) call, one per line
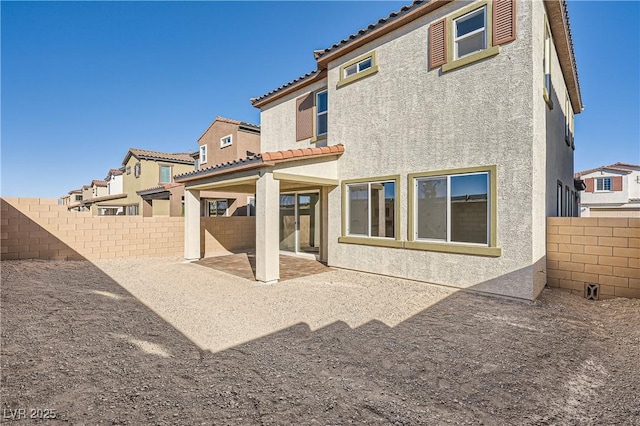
point(90, 201)
point(295, 169)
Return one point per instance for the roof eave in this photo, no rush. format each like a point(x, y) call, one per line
point(259, 103)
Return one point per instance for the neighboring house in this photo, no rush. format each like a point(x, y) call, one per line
point(144, 170)
point(431, 145)
point(226, 140)
point(114, 181)
point(611, 191)
point(73, 200)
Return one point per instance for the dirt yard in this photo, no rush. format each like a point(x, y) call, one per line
point(163, 342)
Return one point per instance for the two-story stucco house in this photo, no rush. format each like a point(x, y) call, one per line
point(430, 145)
point(144, 179)
point(611, 191)
point(226, 140)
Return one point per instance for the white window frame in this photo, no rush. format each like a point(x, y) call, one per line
point(319, 113)
point(208, 207)
point(348, 208)
point(203, 154)
point(226, 141)
point(457, 39)
point(448, 238)
point(603, 180)
point(358, 67)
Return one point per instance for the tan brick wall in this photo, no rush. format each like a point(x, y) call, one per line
point(603, 251)
point(224, 235)
point(33, 228)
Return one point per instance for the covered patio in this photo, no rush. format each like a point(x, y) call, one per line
point(291, 191)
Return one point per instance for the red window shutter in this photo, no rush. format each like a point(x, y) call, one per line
point(616, 183)
point(504, 21)
point(304, 117)
point(437, 44)
point(590, 184)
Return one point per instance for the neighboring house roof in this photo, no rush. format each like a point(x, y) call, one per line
point(103, 198)
point(243, 125)
point(259, 160)
point(86, 187)
point(96, 182)
point(617, 167)
point(162, 189)
point(558, 20)
point(76, 191)
point(143, 154)
point(626, 165)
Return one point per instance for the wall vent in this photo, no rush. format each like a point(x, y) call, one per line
point(592, 291)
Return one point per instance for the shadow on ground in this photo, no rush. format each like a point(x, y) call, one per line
point(74, 341)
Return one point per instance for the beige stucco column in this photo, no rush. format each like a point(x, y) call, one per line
point(267, 228)
point(324, 223)
point(191, 224)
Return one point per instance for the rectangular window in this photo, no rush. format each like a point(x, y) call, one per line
point(603, 184)
point(165, 174)
point(559, 200)
point(371, 209)
point(203, 154)
point(572, 210)
point(226, 141)
point(78, 197)
point(546, 65)
point(470, 33)
point(128, 170)
point(137, 170)
point(216, 208)
point(452, 208)
point(357, 67)
point(567, 202)
point(197, 164)
point(322, 107)
point(132, 210)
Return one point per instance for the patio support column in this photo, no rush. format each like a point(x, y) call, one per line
point(191, 224)
point(267, 228)
point(324, 224)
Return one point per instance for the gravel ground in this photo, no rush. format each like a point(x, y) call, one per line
point(164, 342)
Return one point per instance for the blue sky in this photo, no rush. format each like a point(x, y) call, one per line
point(84, 81)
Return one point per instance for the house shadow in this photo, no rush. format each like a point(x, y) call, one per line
point(75, 341)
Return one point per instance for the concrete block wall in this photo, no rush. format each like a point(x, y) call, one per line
point(604, 251)
point(33, 228)
point(225, 235)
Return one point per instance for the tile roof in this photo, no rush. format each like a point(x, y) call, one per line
point(115, 172)
point(393, 16)
point(158, 189)
point(618, 167)
point(76, 191)
point(86, 187)
point(261, 159)
point(242, 124)
point(103, 198)
point(626, 165)
point(96, 182)
point(407, 14)
point(307, 78)
point(144, 154)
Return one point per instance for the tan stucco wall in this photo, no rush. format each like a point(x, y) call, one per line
point(149, 178)
point(241, 143)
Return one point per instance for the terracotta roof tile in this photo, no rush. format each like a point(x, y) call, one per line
point(259, 159)
point(616, 167)
point(144, 154)
point(96, 182)
point(312, 75)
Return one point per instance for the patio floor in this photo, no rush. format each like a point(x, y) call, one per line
point(244, 265)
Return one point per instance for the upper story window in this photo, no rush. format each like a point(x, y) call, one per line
point(568, 123)
point(137, 170)
point(603, 184)
point(78, 197)
point(203, 154)
point(226, 141)
point(470, 34)
point(165, 174)
point(322, 108)
point(128, 170)
point(358, 68)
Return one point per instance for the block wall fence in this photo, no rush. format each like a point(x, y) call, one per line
point(604, 251)
point(33, 228)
